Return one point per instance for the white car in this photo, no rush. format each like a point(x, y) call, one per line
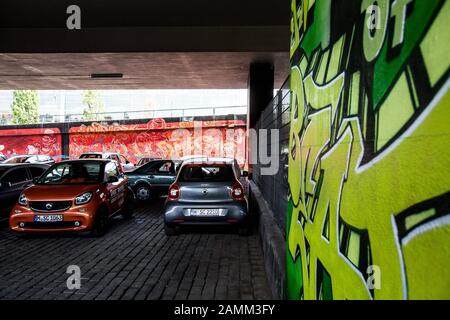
point(120, 159)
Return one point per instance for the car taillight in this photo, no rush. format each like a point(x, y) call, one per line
point(174, 192)
point(237, 192)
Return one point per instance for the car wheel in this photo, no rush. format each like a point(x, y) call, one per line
point(101, 222)
point(20, 235)
point(143, 192)
point(170, 231)
point(244, 231)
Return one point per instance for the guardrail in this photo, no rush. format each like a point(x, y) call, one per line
point(145, 114)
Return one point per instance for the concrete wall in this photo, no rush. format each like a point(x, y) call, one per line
point(369, 156)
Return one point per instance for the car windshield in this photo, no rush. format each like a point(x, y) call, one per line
point(206, 173)
point(17, 160)
point(143, 161)
point(72, 173)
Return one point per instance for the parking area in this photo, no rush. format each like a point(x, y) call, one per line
point(135, 260)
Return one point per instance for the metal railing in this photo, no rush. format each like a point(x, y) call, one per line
point(275, 188)
point(139, 114)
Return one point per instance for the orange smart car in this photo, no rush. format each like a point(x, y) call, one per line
point(79, 195)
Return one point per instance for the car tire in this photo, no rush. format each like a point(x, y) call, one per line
point(244, 231)
point(101, 222)
point(169, 231)
point(21, 235)
point(127, 210)
point(143, 192)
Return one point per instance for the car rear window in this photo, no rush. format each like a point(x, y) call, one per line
point(206, 173)
point(91, 156)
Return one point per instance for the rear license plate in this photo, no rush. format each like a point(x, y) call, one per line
point(206, 212)
point(48, 218)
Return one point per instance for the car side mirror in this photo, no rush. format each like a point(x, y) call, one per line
point(113, 179)
point(245, 174)
point(35, 180)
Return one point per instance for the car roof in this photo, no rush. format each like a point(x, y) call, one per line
point(28, 155)
point(100, 153)
point(23, 155)
point(87, 160)
point(209, 160)
point(12, 165)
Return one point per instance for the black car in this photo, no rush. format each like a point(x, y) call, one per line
point(13, 180)
point(145, 160)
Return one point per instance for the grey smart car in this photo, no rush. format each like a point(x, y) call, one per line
point(207, 191)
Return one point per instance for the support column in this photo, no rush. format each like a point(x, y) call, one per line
point(260, 90)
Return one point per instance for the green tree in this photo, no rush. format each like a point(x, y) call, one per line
point(93, 105)
point(25, 107)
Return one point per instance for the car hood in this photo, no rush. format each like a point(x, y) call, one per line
point(58, 192)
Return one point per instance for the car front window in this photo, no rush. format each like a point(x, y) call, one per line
point(72, 173)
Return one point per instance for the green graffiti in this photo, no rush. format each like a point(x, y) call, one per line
point(369, 209)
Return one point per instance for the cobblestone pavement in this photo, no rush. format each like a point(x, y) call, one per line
point(135, 260)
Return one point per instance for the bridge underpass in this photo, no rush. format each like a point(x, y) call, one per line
point(131, 47)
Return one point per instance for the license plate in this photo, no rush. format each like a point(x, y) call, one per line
point(48, 218)
point(206, 212)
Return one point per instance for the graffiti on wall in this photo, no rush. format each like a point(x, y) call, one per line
point(30, 141)
point(162, 139)
point(369, 209)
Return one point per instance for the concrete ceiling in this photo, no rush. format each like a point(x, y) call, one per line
point(140, 70)
point(155, 44)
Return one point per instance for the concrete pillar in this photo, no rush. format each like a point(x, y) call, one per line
point(260, 90)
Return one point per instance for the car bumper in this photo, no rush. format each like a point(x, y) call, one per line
point(21, 220)
point(179, 214)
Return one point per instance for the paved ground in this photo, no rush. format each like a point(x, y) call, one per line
point(135, 260)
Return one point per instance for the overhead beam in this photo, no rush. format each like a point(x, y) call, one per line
point(146, 39)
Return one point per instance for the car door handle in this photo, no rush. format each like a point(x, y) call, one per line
point(151, 176)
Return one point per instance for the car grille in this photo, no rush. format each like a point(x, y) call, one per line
point(56, 206)
point(52, 225)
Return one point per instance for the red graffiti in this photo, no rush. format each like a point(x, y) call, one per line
point(31, 141)
point(162, 139)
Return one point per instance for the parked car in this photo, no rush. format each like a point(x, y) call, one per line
point(124, 163)
point(14, 178)
point(207, 192)
point(77, 195)
point(31, 158)
point(152, 179)
point(145, 160)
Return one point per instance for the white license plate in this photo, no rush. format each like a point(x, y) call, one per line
point(48, 218)
point(206, 212)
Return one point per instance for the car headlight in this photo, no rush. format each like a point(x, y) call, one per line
point(84, 198)
point(23, 201)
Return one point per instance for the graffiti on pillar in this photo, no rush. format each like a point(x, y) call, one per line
point(369, 179)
